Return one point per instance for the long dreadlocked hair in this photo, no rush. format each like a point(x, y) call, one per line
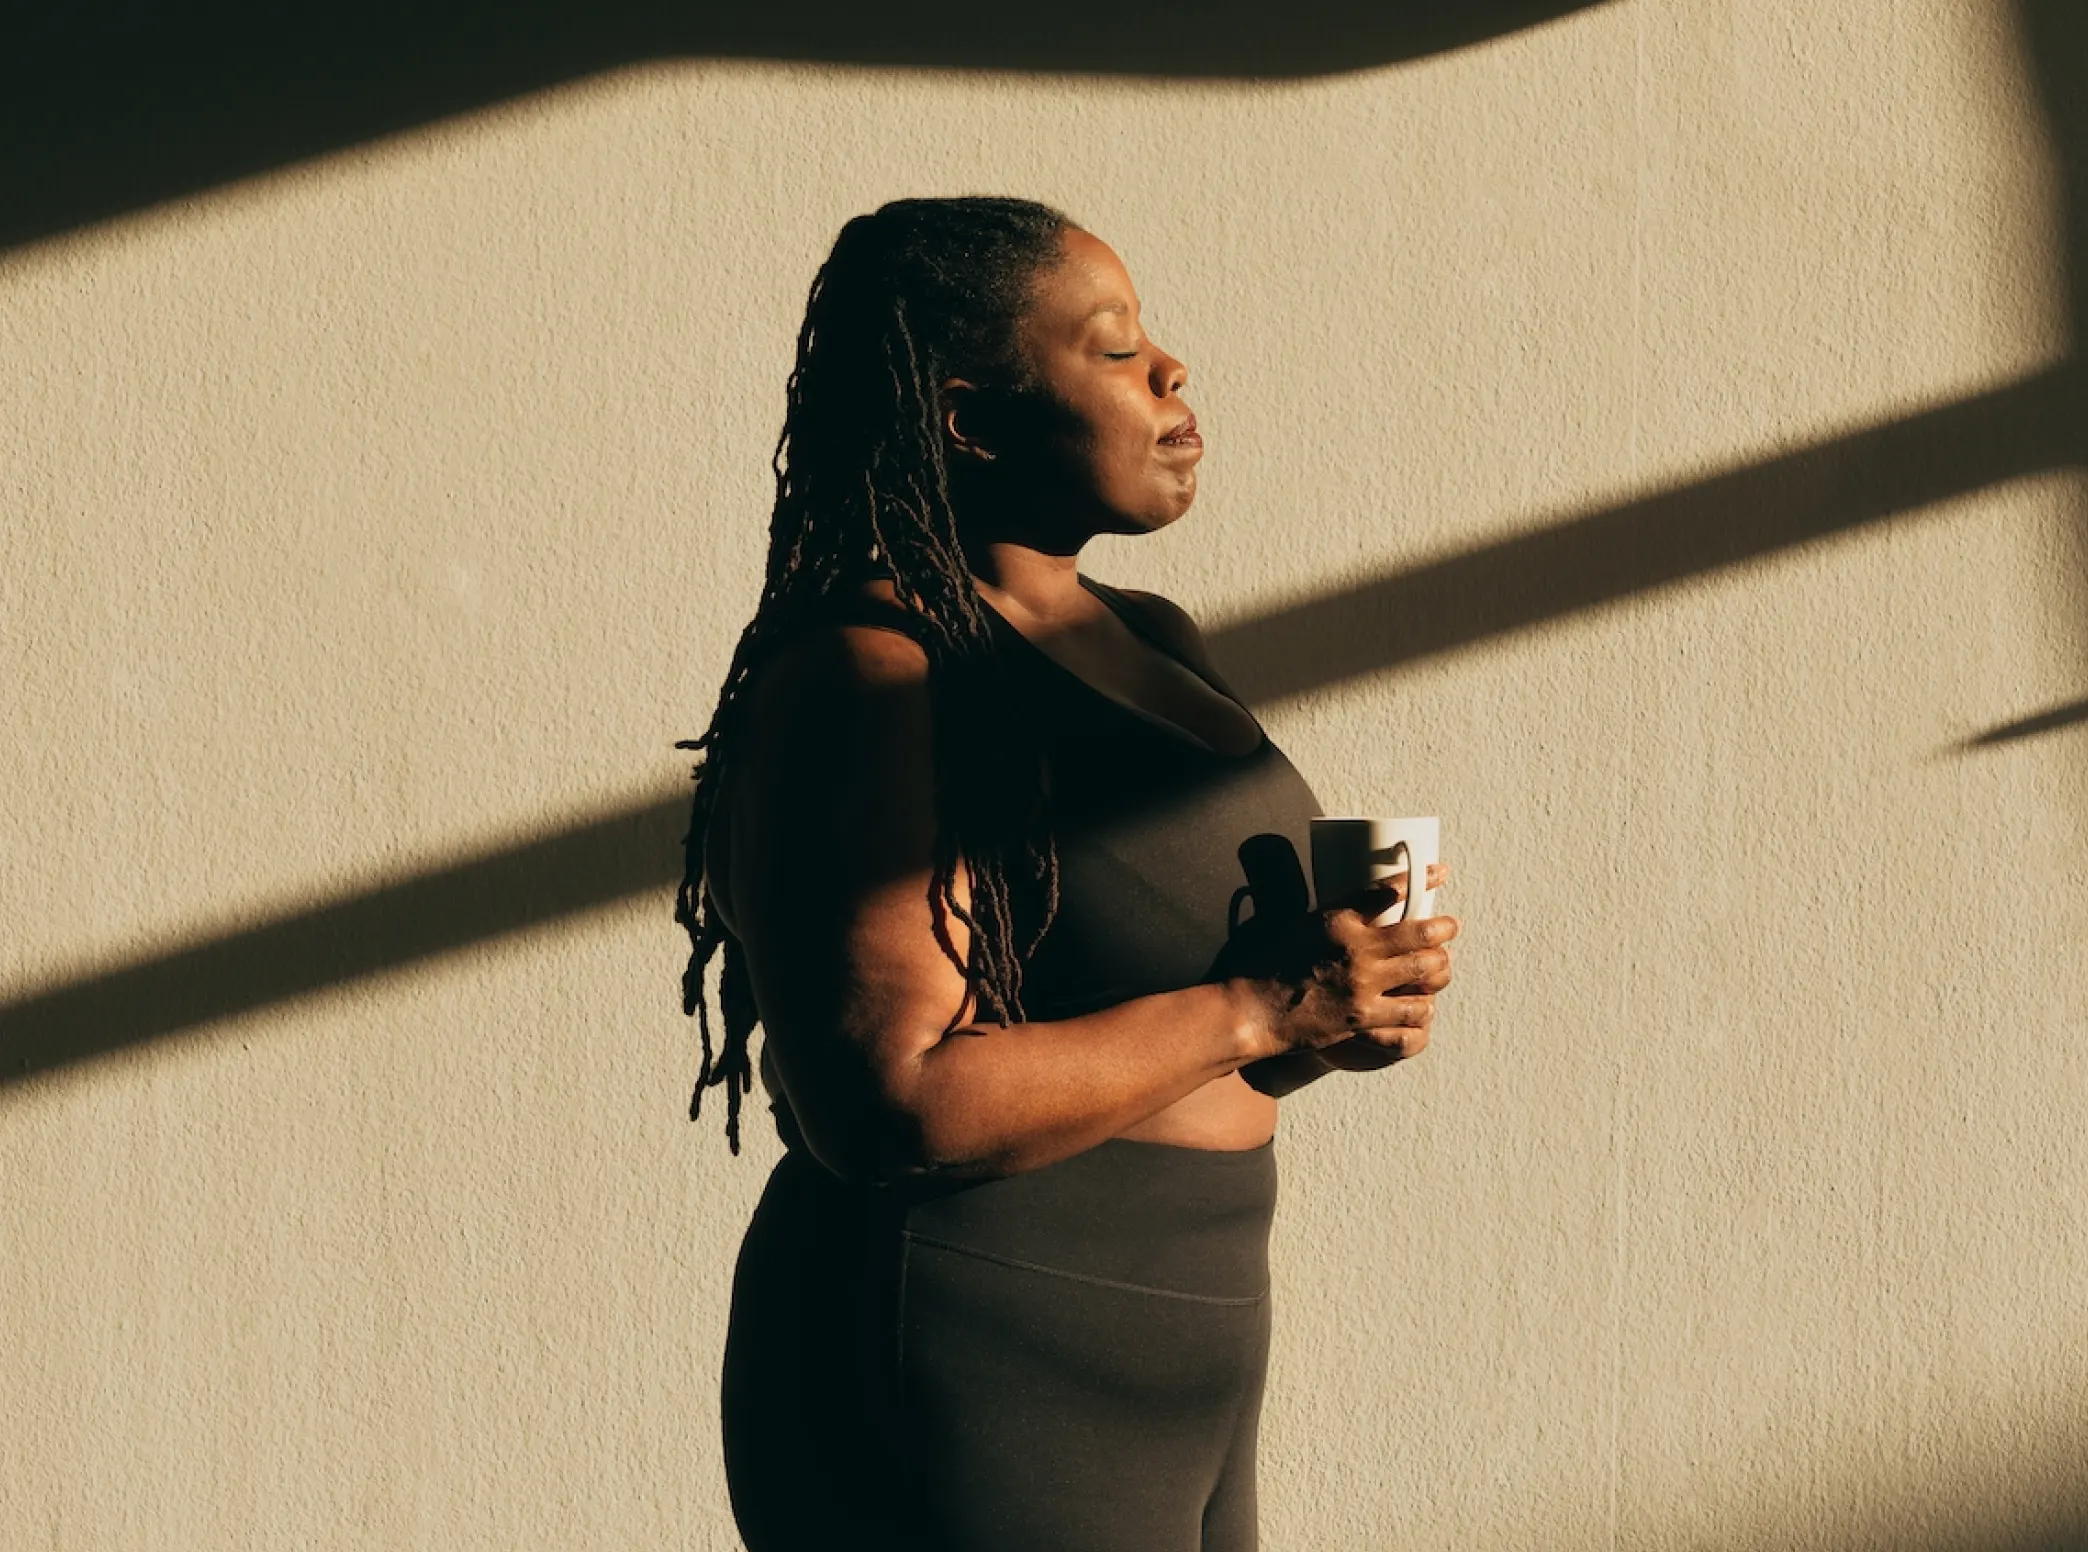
point(921, 291)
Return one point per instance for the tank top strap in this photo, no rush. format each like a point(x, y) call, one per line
point(1134, 614)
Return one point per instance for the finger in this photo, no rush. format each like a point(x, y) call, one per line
point(1393, 1042)
point(1431, 987)
point(1428, 932)
point(1425, 972)
point(1438, 874)
point(1358, 1053)
point(1394, 1016)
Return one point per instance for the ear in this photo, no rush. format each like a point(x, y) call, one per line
point(967, 420)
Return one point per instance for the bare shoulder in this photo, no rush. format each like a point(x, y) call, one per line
point(831, 768)
point(838, 725)
point(828, 773)
point(840, 707)
point(841, 662)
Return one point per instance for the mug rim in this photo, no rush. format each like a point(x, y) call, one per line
point(1376, 818)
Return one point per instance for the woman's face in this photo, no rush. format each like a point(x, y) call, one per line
point(1110, 447)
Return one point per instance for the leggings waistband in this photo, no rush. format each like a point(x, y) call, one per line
point(1187, 1221)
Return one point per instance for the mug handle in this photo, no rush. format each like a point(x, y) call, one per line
point(1394, 915)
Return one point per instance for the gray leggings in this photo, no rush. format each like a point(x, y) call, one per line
point(1068, 1360)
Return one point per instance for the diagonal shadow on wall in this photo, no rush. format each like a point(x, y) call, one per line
point(1572, 565)
point(1575, 564)
point(2055, 43)
point(2049, 721)
point(1857, 480)
point(101, 115)
point(1883, 473)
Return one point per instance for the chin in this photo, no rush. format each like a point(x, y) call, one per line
point(1130, 525)
point(1163, 511)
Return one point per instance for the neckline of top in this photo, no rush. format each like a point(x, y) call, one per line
point(1124, 612)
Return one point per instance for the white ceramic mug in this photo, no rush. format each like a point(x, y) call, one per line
point(1350, 854)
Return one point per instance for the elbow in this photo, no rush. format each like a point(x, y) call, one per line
point(896, 1121)
point(922, 1130)
point(911, 1146)
point(885, 1152)
point(898, 1153)
point(887, 1142)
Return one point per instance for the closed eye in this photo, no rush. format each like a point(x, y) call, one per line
point(1120, 355)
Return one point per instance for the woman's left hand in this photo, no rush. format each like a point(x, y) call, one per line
point(1358, 1054)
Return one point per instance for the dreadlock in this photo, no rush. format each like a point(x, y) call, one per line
point(921, 291)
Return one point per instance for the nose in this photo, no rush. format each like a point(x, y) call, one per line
point(1170, 376)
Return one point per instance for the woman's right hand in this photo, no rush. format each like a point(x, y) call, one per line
point(1330, 977)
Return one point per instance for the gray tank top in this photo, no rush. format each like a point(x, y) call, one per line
point(1164, 845)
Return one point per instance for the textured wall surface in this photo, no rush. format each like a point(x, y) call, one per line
point(1645, 440)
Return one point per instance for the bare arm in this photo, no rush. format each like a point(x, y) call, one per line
point(833, 832)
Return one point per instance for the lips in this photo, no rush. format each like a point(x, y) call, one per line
point(1183, 435)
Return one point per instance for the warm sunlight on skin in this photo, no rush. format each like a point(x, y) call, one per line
point(1112, 447)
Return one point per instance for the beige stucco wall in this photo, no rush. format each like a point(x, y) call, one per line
point(404, 505)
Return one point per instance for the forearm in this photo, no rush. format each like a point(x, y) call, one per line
point(988, 1100)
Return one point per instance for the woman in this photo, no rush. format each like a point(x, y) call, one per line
point(1009, 878)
